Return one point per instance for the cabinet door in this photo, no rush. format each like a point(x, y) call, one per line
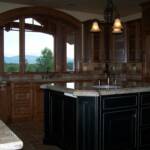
point(48, 126)
point(87, 123)
point(134, 40)
point(4, 104)
point(69, 123)
point(146, 61)
point(59, 120)
point(38, 102)
point(118, 53)
point(119, 130)
point(93, 43)
point(57, 116)
point(22, 101)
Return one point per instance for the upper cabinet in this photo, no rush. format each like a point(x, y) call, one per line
point(93, 44)
point(134, 40)
point(106, 46)
point(146, 38)
point(123, 53)
point(146, 17)
point(118, 52)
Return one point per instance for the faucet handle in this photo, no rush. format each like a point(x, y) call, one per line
point(99, 82)
point(108, 81)
point(115, 82)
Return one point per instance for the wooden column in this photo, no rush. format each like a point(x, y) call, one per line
point(1, 50)
point(22, 45)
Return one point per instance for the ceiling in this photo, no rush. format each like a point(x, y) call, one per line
point(125, 7)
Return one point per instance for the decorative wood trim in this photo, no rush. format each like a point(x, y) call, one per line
point(38, 11)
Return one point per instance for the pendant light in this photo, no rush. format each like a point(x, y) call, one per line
point(95, 27)
point(117, 26)
point(109, 12)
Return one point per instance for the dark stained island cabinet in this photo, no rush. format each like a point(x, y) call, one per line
point(97, 120)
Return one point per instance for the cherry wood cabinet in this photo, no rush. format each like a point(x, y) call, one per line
point(134, 40)
point(118, 50)
point(103, 46)
point(5, 103)
point(38, 104)
point(26, 101)
point(124, 47)
point(93, 43)
point(22, 101)
point(146, 39)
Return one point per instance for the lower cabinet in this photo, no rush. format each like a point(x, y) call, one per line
point(144, 140)
point(114, 122)
point(59, 120)
point(87, 123)
point(57, 116)
point(69, 123)
point(26, 101)
point(119, 122)
point(5, 103)
point(120, 130)
point(22, 104)
point(38, 104)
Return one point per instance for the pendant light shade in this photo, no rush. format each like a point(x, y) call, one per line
point(117, 23)
point(117, 26)
point(95, 27)
point(117, 30)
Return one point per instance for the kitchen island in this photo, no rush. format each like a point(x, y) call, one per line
point(86, 117)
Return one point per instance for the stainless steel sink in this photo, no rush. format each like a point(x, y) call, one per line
point(106, 86)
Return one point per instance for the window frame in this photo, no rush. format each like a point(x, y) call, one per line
point(54, 22)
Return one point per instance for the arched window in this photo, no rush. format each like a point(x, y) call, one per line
point(38, 47)
point(38, 39)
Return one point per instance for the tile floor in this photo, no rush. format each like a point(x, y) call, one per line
point(31, 134)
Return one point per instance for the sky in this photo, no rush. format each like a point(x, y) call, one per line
point(35, 42)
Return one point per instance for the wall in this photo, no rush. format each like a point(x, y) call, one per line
point(7, 6)
point(82, 16)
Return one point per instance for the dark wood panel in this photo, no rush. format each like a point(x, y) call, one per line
point(119, 130)
point(87, 120)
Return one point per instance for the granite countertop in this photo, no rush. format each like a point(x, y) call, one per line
point(89, 89)
point(8, 139)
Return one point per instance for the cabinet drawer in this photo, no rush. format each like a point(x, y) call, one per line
point(145, 98)
point(144, 116)
point(119, 101)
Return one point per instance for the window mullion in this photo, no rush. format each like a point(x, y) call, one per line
point(1, 50)
point(22, 45)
